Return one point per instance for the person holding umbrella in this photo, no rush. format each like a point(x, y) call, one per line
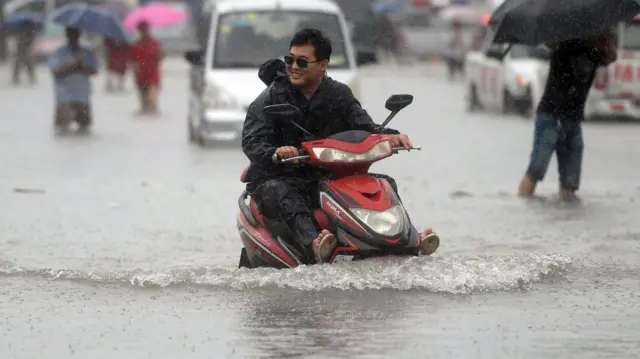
point(24, 25)
point(23, 59)
point(72, 65)
point(561, 111)
point(580, 35)
point(146, 55)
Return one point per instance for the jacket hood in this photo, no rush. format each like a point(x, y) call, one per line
point(271, 70)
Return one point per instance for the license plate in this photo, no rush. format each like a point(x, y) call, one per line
point(224, 135)
point(343, 259)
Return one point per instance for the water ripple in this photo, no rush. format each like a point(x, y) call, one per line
point(456, 275)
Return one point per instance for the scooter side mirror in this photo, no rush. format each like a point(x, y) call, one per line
point(396, 103)
point(284, 109)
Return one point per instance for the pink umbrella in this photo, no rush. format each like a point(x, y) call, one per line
point(156, 14)
point(464, 14)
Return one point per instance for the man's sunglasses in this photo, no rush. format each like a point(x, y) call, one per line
point(302, 63)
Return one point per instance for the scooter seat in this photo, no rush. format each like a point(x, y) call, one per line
point(256, 212)
point(242, 176)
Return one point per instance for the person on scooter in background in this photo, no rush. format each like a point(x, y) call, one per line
point(288, 193)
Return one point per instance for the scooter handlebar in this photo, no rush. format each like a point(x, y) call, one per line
point(301, 154)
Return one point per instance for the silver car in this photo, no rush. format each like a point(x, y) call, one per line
point(427, 35)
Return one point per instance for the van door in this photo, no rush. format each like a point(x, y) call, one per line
point(490, 74)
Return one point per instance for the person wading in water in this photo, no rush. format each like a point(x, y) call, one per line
point(558, 125)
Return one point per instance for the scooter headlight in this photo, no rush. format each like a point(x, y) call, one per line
point(325, 154)
point(386, 223)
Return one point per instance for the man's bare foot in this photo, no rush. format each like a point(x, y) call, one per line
point(567, 194)
point(429, 242)
point(527, 187)
point(323, 246)
point(61, 130)
point(83, 130)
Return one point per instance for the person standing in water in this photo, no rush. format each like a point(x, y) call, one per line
point(146, 55)
point(72, 66)
point(117, 55)
point(455, 57)
point(24, 60)
point(558, 124)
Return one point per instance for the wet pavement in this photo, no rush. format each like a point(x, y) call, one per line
point(123, 243)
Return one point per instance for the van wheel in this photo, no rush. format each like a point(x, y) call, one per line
point(192, 134)
point(472, 99)
point(244, 259)
point(507, 105)
point(200, 140)
point(527, 110)
point(595, 118)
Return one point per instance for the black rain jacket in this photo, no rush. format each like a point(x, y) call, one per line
point(332, 109)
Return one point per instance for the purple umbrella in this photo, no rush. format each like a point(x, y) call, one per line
point(117, 8)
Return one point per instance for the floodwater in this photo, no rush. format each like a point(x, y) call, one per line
point(123, 243)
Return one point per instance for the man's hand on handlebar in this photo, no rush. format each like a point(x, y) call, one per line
point(401, 141)
point(285, 152)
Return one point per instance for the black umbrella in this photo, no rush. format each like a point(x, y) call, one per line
point(532, 22)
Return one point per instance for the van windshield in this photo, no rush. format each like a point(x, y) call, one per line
point(247, 39)
point(630, 36)
point(525, 51)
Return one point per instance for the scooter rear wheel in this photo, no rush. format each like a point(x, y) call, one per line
point(244, 259)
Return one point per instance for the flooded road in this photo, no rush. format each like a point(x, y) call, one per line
point(123, 243)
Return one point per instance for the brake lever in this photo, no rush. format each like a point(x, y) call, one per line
point(396, 149)
point(296, 158)
point(279, 159)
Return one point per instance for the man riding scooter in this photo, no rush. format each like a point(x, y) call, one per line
point(289, 193)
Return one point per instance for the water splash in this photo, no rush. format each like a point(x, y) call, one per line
point(456, 275)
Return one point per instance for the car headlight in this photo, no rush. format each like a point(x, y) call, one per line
point(325, 154)
point(214, 97)
point(386, 223)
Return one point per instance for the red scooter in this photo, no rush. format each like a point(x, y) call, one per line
point(362, 211)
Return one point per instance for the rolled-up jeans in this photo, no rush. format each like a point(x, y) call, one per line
point(564, 137)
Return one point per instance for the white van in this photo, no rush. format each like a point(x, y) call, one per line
point(616, 88)
point(243, 35)
point(511, 82)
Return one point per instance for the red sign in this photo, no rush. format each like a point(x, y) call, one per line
point(623, 73)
